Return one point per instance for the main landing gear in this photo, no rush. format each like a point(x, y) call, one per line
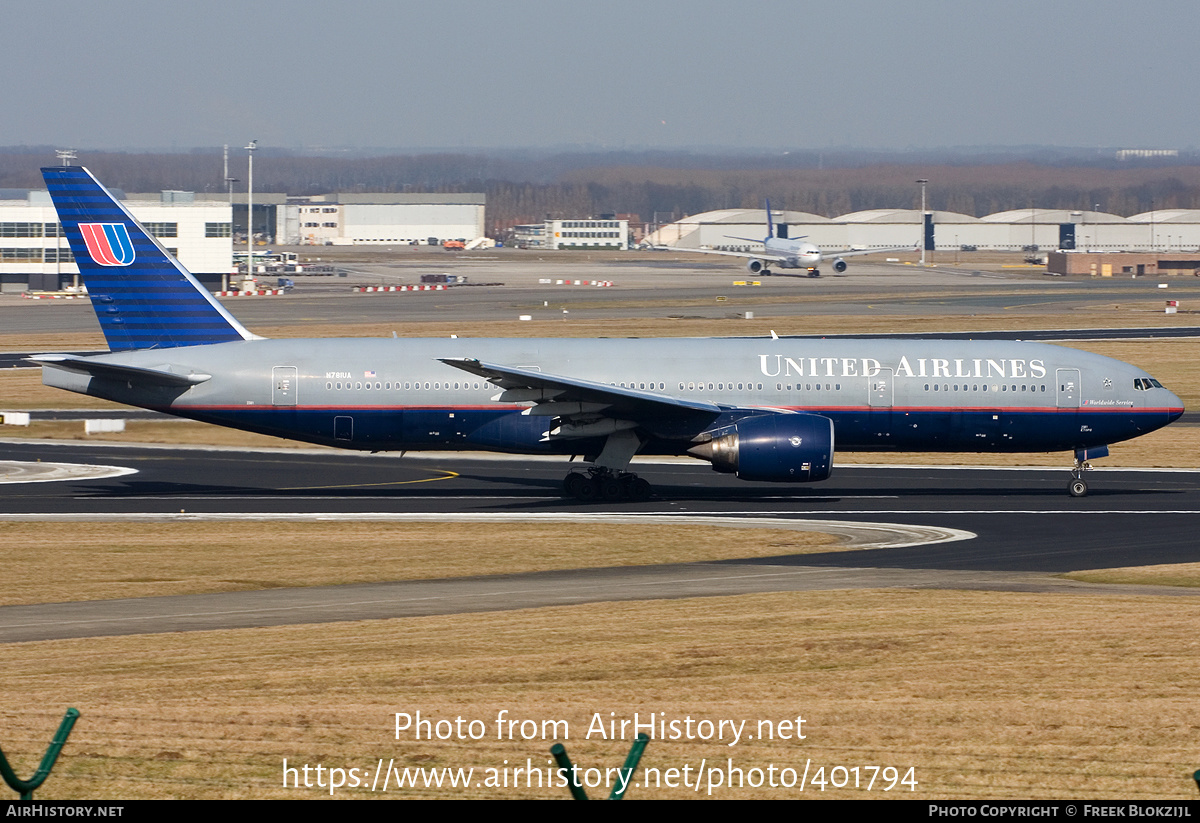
point(598, 483)
point(607, 479)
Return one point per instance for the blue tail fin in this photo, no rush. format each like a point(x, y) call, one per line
point(770, 222)
point(141, 294)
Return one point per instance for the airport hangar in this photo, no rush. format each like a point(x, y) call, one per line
point(199, 228)
point(1164, 230)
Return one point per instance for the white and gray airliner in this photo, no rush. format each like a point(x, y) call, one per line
point(790, 253)
point(770, 409)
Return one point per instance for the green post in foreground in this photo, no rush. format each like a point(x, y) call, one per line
point(631, 762)
point(26, 787)
point(618, 792)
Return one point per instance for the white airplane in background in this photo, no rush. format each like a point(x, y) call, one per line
point(791, 253)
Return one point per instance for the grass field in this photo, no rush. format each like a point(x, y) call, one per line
point(983, 695)
point(50, 562)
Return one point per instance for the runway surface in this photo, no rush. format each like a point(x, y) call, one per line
point(660, 288)
point(1024, 526)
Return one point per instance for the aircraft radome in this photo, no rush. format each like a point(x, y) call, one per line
point(762, 409)
point(787, 253)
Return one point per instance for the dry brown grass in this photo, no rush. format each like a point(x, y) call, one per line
point(1178, 574)
point(52, 562)
point(669, 318)
point(23, 389)
point(673, 322)
point(987, 696)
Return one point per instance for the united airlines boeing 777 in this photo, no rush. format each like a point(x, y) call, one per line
point(762, 409)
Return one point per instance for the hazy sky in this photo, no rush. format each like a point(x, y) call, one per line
point(619, 74)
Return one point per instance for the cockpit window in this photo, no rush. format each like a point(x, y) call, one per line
point(1146, 383)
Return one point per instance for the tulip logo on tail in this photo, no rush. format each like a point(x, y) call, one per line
point(108, 243)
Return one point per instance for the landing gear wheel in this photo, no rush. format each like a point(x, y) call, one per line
point(610, 488)
point(588, 490)
point(814, 272)
point(1078, 488)
point(572, 483)
point(638, 489)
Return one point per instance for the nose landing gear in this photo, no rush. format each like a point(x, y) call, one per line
point(1078, 486)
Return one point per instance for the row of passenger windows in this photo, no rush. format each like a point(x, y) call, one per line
point(942, 387)
point(978, 387)
point(331, 385)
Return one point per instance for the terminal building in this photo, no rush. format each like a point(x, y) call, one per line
point(606, 233)
point(33, 257)
point(198, 229)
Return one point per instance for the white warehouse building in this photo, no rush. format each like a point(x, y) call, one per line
point(372, 219)
point(1164, 230)
point(34, 257)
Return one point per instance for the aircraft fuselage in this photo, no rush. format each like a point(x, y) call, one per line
point(900, 394)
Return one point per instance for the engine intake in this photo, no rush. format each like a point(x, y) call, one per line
point(755, 266)
point(795, 448)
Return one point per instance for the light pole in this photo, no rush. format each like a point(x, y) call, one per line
point(923, 182)
point(66, 156)
point(250, 208)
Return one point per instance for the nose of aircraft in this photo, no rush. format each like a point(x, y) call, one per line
point(1174, 406)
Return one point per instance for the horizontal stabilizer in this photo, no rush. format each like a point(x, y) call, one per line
point(161, 375)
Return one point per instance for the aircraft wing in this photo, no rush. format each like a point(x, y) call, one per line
point(573, 398)
point(163, 375)
point(829, 255)
point(779, 258)
point(774, 258)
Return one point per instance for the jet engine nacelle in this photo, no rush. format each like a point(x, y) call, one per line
point(839, 265)
point(755, 266)
point(793, 448)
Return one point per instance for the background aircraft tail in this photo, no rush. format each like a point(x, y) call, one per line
point(141, 294)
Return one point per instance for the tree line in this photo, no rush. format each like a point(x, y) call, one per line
point(657, 187)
